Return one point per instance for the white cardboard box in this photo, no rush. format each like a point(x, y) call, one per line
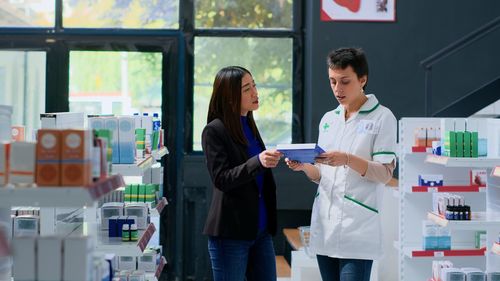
point(49, 258)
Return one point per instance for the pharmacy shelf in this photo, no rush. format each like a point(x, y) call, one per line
point(449, 188)
point(479, 221)
point(133, 170)
point(415, 253)
point(115, 245)
point(59, 196)
point(158, 154)
point(496, 248)
point(462, 162)
point(496, 171)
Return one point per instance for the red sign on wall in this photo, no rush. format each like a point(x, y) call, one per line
point(358, 10)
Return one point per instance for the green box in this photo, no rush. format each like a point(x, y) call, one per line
point(140, 196)
point(150, 193)
point(477, 240)
point(127, 197)
point(460, 143)
point(450, 144)
point(134, 192)
point(467, 144)
point(474, 145)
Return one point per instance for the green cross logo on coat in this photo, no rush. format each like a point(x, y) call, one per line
point(325, 127)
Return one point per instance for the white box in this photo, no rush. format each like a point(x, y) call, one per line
point(126, 133)
point(493, 138)
point(111, 123)
point(127, 263)
point(49, 258)
point(62, 120)
point(22, 163)
point(147, 123)
point(77, 259)
point(24, 258)
point(157, 175)
point(96, 123)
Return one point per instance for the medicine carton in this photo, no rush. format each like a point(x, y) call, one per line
point(76, 151)
point(22, 163)
point(48, 158)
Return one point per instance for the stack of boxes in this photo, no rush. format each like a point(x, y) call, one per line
point(146, 193)
point(460, 138)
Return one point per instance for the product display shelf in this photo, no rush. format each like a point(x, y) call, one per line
point(462, 162)
point(115, 245)
point(449, 188)
point(496, 248)
point(415, 264)
point(59, 196)
point(479, 220)
point(158, 154)
point(133, 170)
point(418, 253)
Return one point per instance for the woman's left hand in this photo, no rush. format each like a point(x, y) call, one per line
point(333, 158)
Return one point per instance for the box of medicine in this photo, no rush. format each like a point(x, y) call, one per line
point(126, 143)
point(478, 177)
point(430, 180)
point(4, 163)
point(62, 120)
point(134, 192)
point(137, 275)
point(140, 210)
point(452, 274)
point(77, 267)
point(111, 123)
point(26, 225)
point(96, 122)
point(157, 175)
point(18, 133)
point(467, 144)
point(24, 258)
point(127, 263)
point(460, 144)
point(49, 258)
point(75, 158)
point(48, 158)
point(22, 163)
point(108, 210)
point(147, 261)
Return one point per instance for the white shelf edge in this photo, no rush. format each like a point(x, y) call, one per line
point(158, 154)
point(59, 196)
point(462, 162)
point(133, 170)
point(479, 221)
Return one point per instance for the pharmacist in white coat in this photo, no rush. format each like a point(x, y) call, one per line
point(359, 138)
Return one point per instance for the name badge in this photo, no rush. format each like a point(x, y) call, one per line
point(368, 127)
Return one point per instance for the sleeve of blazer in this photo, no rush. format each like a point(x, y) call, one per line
point(225, 177)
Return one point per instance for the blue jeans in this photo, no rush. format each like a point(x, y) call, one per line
point(335, 269)
point(233, 260)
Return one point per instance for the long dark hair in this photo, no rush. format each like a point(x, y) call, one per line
point(225, 103)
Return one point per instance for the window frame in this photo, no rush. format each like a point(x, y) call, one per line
point(297, 36)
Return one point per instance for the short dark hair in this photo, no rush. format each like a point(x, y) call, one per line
point(225, 103)
point(344, 57)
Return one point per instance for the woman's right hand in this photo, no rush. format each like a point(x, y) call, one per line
point(269, 158)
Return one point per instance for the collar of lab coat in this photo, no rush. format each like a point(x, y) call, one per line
point(370, 105)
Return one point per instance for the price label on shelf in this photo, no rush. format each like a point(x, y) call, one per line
point(160, 267)
point(432, 189)
point(439, 254)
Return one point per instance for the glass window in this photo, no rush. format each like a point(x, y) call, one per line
point(257, 14)
point(22, 85)
point(270, 62)
point(115, 82)
point(158, 14)
point(29, 13)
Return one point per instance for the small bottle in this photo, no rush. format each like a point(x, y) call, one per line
point(125, 233)
point(134, 233)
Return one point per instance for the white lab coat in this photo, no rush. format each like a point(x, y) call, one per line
point(344, 221)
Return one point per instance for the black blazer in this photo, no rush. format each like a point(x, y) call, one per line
point(234, 209)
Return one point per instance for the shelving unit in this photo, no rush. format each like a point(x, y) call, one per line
point(415, 205)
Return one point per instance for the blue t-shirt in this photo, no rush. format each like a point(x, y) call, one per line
point(253, 149)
